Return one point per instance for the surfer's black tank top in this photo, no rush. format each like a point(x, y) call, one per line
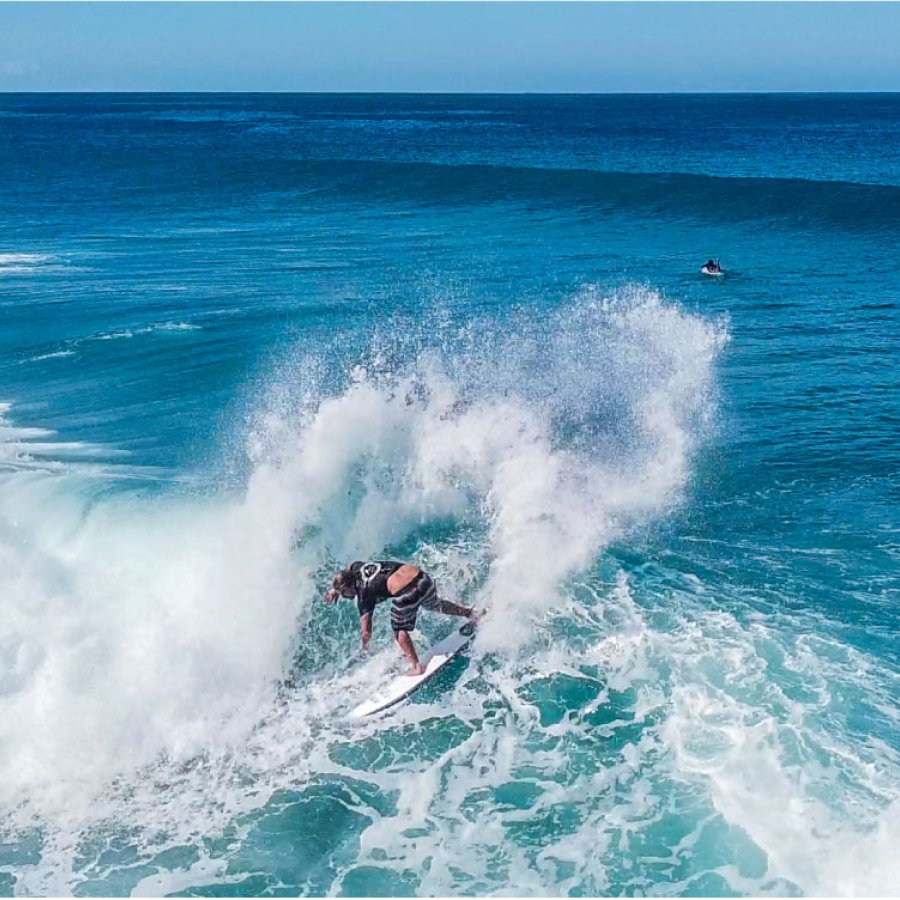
point(371, 579)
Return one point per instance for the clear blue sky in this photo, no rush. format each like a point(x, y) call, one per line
point(449, 47)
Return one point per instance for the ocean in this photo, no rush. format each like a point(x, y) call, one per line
point(248, 338)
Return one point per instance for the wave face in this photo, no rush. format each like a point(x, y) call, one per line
point(676, 197)
point(480, 342)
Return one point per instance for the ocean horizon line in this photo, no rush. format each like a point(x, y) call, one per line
point(748, 93)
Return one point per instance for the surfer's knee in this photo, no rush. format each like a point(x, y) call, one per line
point(402, 636)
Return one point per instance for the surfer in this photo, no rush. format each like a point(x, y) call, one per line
point(712, 267)
point(408, 587)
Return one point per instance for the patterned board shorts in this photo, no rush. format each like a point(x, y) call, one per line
point(405, 605)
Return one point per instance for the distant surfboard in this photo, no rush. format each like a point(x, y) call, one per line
point(713, 273)
point(401, 686)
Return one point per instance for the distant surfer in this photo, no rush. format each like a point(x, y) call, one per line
point(711, 267)
point(406, 586)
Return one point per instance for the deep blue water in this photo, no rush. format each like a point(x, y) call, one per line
point(248, 337)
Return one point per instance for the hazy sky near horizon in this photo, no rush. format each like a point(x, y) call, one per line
point(593, 47)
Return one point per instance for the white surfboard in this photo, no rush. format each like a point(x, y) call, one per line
point(718, 273)
point(401, 686)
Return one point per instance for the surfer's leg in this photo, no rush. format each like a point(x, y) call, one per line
point(429, 599)
point(409, 651)
point(404, 610)
point(448, 608)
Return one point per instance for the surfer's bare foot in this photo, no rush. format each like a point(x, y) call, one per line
point(406, 645)
point(476, 615)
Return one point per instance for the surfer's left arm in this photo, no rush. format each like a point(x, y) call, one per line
point(365, 629)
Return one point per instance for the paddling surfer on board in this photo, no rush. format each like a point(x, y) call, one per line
point(406, 586)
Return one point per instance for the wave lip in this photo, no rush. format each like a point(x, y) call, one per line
point(796, 202)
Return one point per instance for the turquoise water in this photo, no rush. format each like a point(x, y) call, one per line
point(248, 338)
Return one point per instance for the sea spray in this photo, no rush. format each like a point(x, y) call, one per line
point(548, 431)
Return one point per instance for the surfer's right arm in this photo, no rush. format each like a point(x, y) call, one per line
point(365, 629)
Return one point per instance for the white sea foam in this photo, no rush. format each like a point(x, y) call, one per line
point(55, 354)
point(22, 259)
point(25, 447)
point(18, 263)
point(70, 347)
point(155, 328)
